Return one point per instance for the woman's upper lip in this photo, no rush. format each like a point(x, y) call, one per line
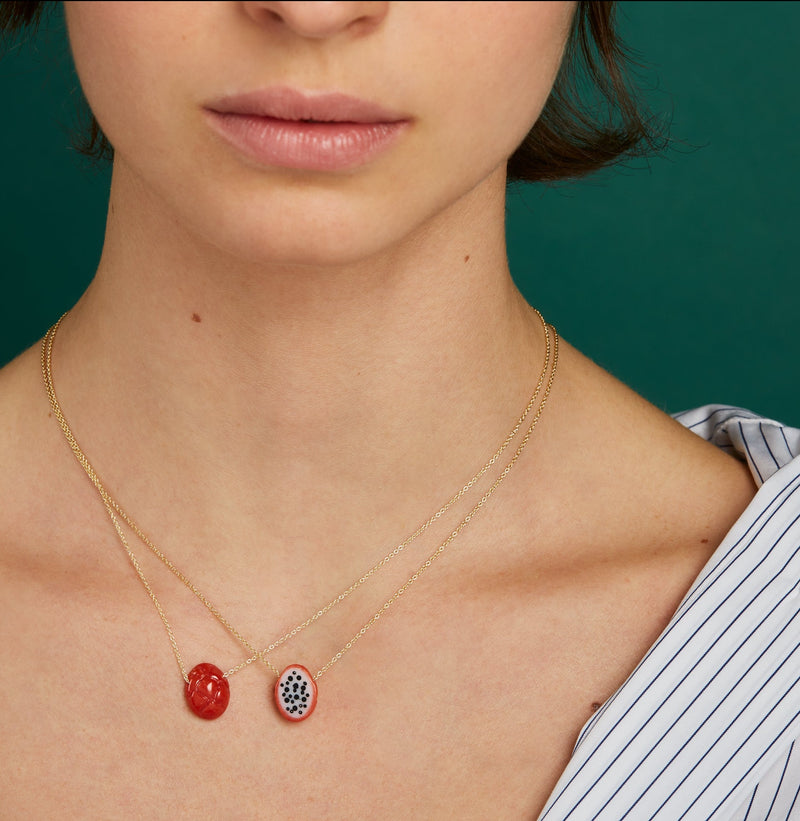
point(284, 103)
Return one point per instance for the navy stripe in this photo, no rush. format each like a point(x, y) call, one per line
point(796, 794)
point(750, 805)
point(783, 434)
point(766, 443)
point(750, 455)
point(783, 775)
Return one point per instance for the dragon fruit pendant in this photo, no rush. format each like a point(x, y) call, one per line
point(295, 693)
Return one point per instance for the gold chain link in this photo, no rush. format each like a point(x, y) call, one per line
point(115, 510)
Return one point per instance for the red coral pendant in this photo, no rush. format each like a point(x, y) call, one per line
point(295, 693)
point(207, 691)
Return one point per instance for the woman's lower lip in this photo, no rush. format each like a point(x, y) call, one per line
point(313, 146)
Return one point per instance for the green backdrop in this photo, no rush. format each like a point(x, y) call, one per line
point(677, 274)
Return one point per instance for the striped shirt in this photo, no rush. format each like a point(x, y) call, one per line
point(708, 724)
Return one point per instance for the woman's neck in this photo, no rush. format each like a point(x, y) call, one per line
point(373, 387)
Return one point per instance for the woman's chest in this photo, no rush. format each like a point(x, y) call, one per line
point(466, 706)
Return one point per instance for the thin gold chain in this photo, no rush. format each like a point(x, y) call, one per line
point(140, 573)
point(255, 654)
point(114, 510)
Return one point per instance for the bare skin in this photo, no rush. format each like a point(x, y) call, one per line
point(278, 409)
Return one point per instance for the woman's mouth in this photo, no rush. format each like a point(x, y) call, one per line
point(287, 128)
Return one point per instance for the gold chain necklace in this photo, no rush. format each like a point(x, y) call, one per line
point(295, 692)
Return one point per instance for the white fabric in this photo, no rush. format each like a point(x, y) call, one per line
point(705, 727)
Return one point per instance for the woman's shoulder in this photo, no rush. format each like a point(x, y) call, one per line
point(20, 440)
point(646, 471)
point(768, 530)
point(34, 500)
point(765, 444)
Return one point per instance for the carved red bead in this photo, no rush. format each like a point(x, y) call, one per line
point(207, 691)
point(295, 693)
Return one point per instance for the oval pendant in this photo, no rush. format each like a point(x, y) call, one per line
point(207, 691)
point(295, 693)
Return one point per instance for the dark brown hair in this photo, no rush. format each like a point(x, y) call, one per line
point(593, 117)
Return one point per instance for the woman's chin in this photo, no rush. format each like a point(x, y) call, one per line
point(313, 243)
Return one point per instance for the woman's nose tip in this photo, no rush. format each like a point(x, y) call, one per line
point(319, 18)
